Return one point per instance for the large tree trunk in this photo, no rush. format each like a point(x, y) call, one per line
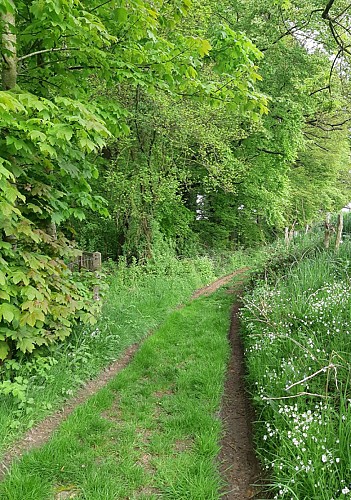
point(8, 38)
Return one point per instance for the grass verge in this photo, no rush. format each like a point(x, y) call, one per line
point(153, 431)
point(297, 333)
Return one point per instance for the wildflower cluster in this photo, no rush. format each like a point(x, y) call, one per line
point(297, 336)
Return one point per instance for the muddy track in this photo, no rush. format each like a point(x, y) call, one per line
point(233, 446)
point(239, 465)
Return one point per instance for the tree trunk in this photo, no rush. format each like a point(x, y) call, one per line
point(52, 230)
point(339, 231)
point(9, 64)
point(8, 38)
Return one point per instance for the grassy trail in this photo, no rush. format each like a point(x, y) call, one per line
point(137, 302)
point(153, 431)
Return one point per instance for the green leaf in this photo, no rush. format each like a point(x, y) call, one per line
point(47, 149)
point(4, 349)
point(34, 208)
point(26, 344)
point(204, 47)
point(19, 276)
point(2, 278)
point(9, 102)
point(36, 135)
point(4, 295)
point(8, 312)
point(62, 131)
point(121, 14)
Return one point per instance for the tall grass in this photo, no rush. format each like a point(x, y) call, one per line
point(297, 335)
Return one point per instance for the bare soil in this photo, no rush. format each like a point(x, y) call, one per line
point(239, 466)
point(212, 287)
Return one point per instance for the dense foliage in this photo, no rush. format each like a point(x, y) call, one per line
point(64, 65)
point(142, 127)
point(200, 173)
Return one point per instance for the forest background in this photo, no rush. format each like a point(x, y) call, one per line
point(143, 128)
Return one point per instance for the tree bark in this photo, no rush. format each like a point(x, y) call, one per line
point(52, 230)
point(9, 65)
point(8, 38)
point(286, 236)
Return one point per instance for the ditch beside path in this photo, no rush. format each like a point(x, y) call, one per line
point(239, 466)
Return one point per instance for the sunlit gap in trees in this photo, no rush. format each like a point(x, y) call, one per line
point(200, 211)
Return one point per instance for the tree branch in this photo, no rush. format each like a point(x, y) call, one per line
point(267, 151)
point(72, 68)
point(342, 12)
point(152, 142)
point(101, 5)
point(292, 30)
point(332, 68)
point(320, 90)
point(325, 14)
point(45, 51)
point(321, 147)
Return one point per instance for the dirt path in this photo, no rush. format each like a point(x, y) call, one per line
point(212, 287)
point(239, 465)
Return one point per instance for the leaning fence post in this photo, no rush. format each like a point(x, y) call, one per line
point(339, 230)
point(327, 232)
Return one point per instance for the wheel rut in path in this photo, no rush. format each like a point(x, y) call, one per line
point(238, 463)
point(41, 433)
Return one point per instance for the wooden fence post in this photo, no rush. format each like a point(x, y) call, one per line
point(327, 232)
point(96, 264)
point(339, 231)
point(286, 236)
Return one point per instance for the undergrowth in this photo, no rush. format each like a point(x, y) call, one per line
point(297, 335)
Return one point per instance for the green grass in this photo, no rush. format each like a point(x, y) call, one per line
point(139, 299)
point(153, 431)
point(137, 302)
point(297, 333)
